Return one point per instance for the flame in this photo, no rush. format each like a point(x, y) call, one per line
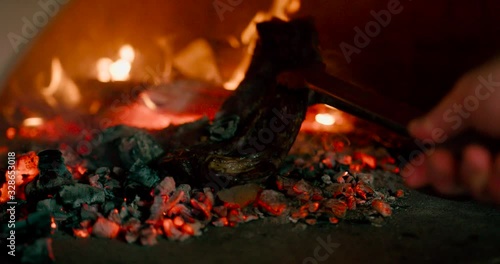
point(26, 169)
point(127, 53)
point(325, 119)
point(198, 61)
point(103, 65)
point(119, 70)
point(148, 102)
point(238, 76)
point(61, 86)
point(33, 122)
point(281, 9)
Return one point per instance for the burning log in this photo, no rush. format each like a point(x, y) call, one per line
point(256, 126)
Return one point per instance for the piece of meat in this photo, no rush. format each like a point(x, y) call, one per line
point(257, 125)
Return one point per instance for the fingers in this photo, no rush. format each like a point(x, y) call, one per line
point(494, 181)
point(437, 170)
point(476, 169)
point(441, 167)
point(415, 173)
point(478, 173)
point(473, 101)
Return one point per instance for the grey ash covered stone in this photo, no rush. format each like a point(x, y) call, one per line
point(144, 175)
point(138, 147)
point(78, 194)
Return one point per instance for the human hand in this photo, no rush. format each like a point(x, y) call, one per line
point(474, 103)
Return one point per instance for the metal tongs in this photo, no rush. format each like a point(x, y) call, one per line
point(359, 101)
point(385, 111)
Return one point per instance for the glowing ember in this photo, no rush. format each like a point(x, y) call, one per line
point(26, 169)
point(81, 233)
point(141, 115)
point(382, 207)
point(33, 122)
point(10, 133)
point(325, 119)
point(53, 224)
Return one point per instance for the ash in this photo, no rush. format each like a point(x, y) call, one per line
point(323, 180)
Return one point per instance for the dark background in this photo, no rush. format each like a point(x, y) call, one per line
point(422, 51)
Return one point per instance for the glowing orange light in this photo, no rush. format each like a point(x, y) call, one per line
point(4, 193)
point(61, 89)
point(119, 70)
point(325, 119)
point(53, 224)
point(330, 107)
point(280, 9)
point(33, 122)
point(367, 160)
point(127, 53)
point(10, 132)
point(82, 233)
point(148, 102)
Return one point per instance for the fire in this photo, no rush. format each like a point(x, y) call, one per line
point(10, 133)
point(26, 169)
point(325, 119)
point(148, 102)
point(61, 88)
point(119, 70)
point(198, 61)
point(281, 9)
point(33, 122)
